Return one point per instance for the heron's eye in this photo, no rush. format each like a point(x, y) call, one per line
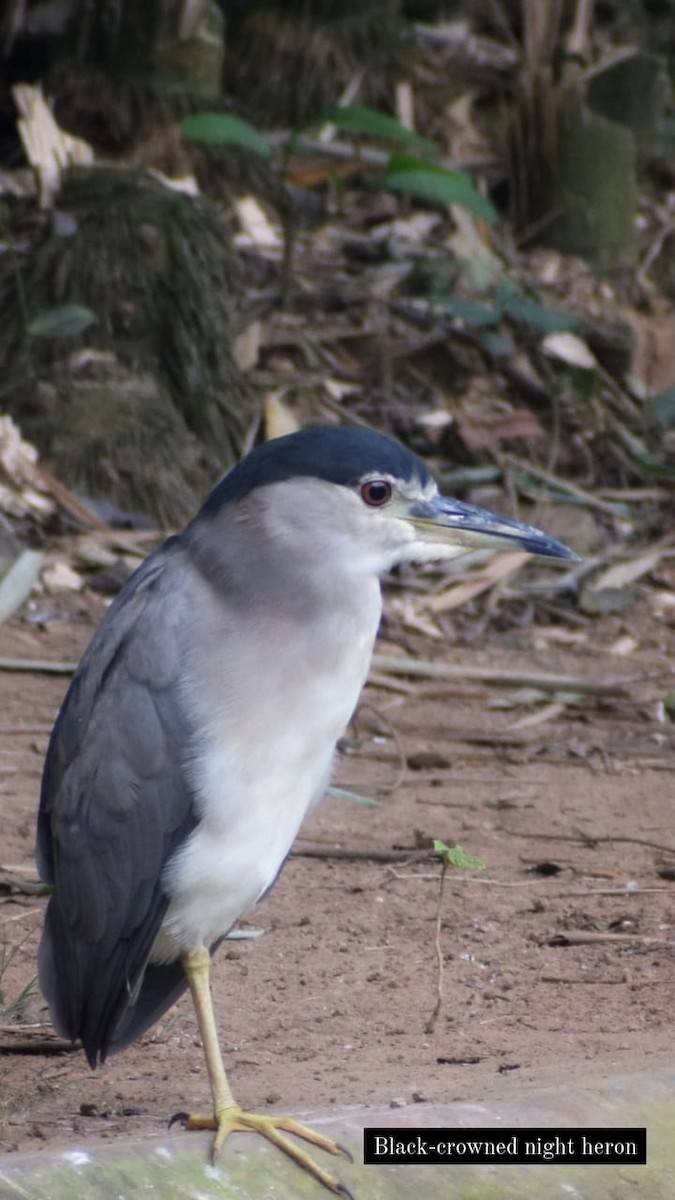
point(376, 492)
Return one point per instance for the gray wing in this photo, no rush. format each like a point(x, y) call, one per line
point(116, 802)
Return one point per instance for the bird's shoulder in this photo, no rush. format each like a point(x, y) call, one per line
point(116, 790)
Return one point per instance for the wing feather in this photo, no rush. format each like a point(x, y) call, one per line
point(116, 802)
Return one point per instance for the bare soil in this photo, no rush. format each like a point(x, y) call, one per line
point(332, 1005)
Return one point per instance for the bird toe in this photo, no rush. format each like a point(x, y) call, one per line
point(275, 1129)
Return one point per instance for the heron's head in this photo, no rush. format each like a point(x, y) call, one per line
point(362, 501)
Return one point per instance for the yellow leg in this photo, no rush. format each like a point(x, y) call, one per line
point(227, 1116)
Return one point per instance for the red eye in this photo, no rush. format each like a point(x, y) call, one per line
point(376, 492)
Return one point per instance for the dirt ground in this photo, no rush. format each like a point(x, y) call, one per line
point(558, 956)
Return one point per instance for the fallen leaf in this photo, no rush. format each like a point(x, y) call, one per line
point(59, 577)
point(277, 417)
point(19, 581)
point(460, 593)
point(548, 713)
point(569, 349)
point(256, 228)
point(246, 347)
point(623, 646)
point(479, 431)
point(653, 358)
point(622, 574)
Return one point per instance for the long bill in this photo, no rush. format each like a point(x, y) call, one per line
point(445, 520)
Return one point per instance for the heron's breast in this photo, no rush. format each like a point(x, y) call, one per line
point(263, 757)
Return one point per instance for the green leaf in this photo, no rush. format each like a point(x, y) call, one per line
point(224, 129)
point(67, 320)
point(356, 118)
point(455, 856)
point(469, 311)
point(499, 345)
point(648, 463)
point(437, 185)
point(661, 409)
point(538, 317)
point(353, 797)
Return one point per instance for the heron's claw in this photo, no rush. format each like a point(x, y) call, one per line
point(183, 1117)
point(234, 1120)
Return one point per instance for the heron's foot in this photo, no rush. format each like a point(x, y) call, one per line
point(234, 1120)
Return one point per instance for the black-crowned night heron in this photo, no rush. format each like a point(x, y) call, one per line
point(201, 727)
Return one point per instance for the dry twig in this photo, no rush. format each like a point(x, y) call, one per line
point(423, 669)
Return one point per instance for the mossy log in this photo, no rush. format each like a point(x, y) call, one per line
point(146, 406)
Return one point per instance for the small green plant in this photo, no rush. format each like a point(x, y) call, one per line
point(63, 321)
point(508, 304)
point(11, 1008)
point(433, 184)
point(224, 129)
point(368, 122)
point(456, 856)
point(450, 856)
point(406, 173)
point(14, 1008)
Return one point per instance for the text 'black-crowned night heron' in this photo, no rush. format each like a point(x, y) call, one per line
point(201, 727)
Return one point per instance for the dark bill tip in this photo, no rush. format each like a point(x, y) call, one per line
point(471, 526)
